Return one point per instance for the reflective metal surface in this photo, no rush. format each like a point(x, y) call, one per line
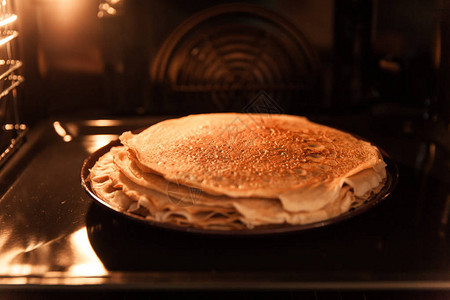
point(53, 234)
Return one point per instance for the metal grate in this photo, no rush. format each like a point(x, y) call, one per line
point(220, 58)
point(12, 132)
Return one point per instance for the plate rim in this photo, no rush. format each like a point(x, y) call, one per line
point(385, 192)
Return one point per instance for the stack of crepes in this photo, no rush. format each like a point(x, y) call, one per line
point(237, 171)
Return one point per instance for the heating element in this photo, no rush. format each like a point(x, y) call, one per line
point(12, 130)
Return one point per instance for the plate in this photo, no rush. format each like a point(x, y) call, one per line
point(391, 182)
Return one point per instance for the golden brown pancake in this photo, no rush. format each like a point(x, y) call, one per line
point(118, 191)
point(231, 154)
point(250, 212)
point(234, 171)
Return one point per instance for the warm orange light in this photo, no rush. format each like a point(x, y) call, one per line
point(103, 123)
point(107, 8)
point(88, 264)
point(14, 65)
point(8, 20)
point(93, 142)
point(84, 262)
point(61, 131)
point(11, 35)
point(17, 80)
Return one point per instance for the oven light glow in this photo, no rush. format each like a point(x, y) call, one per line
point(61, 131)
point(103, 123)
point(11, 35)
point(88, 262)
point(10, 19)
point(84, 261)
point(8, 127)
point(93, 142)
point(106, 8)
point(9, 62)
point(111, 11)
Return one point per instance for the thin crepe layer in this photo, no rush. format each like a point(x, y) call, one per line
point(114, 188)
point(235, 214)
point(249, 155)
point(311, 198)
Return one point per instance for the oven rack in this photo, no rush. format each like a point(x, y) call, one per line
point(12, 131)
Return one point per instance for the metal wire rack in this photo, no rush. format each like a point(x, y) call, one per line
point(12, 132)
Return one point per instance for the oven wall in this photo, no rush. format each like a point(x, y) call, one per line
point(77, 63)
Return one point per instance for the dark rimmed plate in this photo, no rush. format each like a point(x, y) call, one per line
point(391, 181)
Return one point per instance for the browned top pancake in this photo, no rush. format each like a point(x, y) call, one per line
point(250, 155)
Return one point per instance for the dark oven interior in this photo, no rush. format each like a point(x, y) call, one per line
point(161, 57)
point(75, 74)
